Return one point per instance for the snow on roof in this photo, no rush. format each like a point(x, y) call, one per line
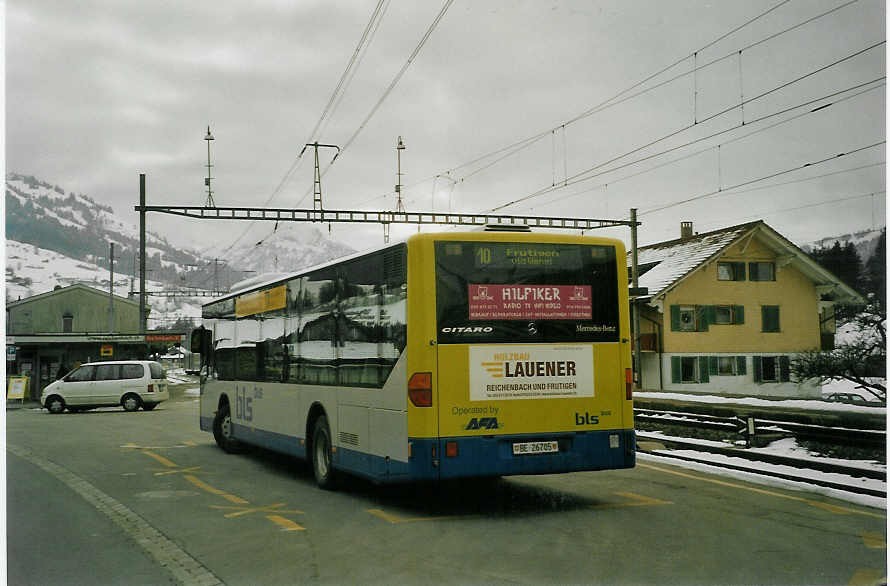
point(663, 264)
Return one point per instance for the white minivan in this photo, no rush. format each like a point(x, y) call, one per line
point(128, 383)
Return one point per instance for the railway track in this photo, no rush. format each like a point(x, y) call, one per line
point(832, 475)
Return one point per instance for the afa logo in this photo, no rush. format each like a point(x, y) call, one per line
point(483, 423)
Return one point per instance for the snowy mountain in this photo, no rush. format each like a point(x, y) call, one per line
point(865, 242)
point(54, 238)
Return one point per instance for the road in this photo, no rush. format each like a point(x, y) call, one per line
point(108, 497)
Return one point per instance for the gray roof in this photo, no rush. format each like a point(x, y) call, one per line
point(664, 265)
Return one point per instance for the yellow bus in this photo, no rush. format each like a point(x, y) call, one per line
point(450, 355)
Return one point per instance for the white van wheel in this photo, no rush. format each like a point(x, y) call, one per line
point(131, 402)
point(55, 404)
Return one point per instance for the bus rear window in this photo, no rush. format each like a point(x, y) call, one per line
point(526, 292)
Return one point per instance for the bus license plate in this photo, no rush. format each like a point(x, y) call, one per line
point(524, 448)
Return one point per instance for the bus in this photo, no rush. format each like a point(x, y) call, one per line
point(448, 355)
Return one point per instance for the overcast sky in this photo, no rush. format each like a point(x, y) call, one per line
point(100, 91)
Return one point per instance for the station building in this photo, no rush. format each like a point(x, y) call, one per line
point(50, 333)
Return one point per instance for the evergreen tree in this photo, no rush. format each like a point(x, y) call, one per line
point(843, 262)
point(875, 276)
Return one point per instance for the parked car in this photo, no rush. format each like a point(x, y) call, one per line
point(852, 399)
point(129, 383)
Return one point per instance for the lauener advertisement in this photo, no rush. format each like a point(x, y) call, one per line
point(530, 372)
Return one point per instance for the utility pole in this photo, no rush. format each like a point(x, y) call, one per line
point(209, 203)
point(142, 316)
point(400, 207)
point(316, 200)
point(111, 288)
point(635, 307)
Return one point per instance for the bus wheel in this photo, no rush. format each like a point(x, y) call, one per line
point(222, 430)
point(325, 476)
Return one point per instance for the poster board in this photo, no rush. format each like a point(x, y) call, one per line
point(17, 388)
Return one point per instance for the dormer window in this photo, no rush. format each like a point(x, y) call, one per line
point(762, 271)
point(731, 271)
point(67, 323)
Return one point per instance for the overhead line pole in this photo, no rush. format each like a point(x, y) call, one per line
point(142, 209)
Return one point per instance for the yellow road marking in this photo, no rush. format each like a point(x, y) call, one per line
point(164, 461)
point(240, 511)
point(179, 471)
point(173, 468)
point(874, 540)
point(207, 488)
point(395, 519)
point(132, 446)
point(868, 577)
point(635, 500)
point(838, 510)
point(285, 524)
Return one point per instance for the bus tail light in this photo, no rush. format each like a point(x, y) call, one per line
point(628, 384)
point(420, 389)
point(451, 449)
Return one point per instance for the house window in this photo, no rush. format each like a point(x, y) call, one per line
point(689, 369)
point(726, 365)
point(729, 314)
point(762, 271)
point(772, 369)
point(697, 318)
point(730, 271)
point(687, 318)
point(770, 318)
point(67, 323)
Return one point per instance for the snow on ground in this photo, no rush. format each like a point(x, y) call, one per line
point(806, 404)
point(755, 478)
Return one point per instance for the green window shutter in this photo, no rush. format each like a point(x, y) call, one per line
point(712, 365)
point(676, 368)
point(739, 271)
point(741, 365)
point(675, 318)
point(784, 369)
point(758, 369)
point(703, 369)
point(770, 317)
point(701, 317)
point(738, 314)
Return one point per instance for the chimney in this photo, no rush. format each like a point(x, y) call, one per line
point(686, 230)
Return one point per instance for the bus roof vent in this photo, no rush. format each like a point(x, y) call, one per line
point(506, 228)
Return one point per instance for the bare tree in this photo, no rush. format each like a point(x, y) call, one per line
point(861, 360)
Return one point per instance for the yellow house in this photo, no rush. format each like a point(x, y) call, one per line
point(726, 312)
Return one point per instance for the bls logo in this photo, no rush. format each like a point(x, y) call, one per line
point(483, 423)
point(586, 419)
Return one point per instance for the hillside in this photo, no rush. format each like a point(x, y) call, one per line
point(54, 238)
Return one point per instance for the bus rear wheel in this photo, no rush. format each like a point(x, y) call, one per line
point(325, 476)
point(222, 430)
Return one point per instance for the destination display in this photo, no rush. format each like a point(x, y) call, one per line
point(529, 302)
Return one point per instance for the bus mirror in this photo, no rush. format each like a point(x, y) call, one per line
point(200, 342)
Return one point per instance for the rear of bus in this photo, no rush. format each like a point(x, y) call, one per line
point(519, 358)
